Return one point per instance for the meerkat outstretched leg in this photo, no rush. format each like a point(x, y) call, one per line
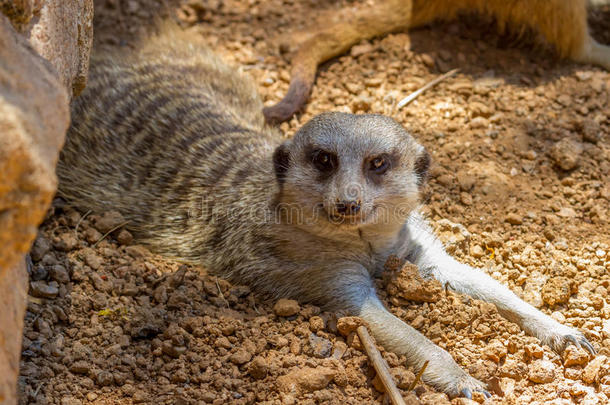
point(425, 250)
point(366, 22)
point(348, 287)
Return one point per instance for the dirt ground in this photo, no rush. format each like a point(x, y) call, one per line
point(519, 187)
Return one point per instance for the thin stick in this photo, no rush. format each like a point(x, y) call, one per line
point(221, 294)
point(79, 221)
point(108, 233)
point(426, 86)
point(380, 366)
point(418, 376)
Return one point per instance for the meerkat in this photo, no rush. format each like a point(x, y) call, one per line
point(175, 140)
point(561, 23)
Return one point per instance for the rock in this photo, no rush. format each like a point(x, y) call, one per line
point(43, 290)
point(285, 307)
point(108, 221)
point(124, 237)
point(34, 116)
point(514, 219)
point(59, 274)
point(104, 378)
point(476, 251)
point(258, 368)
point(542, 371)
point(348, 324)
point(566, 153)
point(574, 356)
point(65, 242)
point(591, 372)
point(557, 290)
point(62, 33)
point(304, 380)
point(13, 293)
point(339, 350)
point(70, 401)
point(321, 347)
point(40, 248)
point(241, 356)
point(591, 131)
point(495, 351)
point(80, 367)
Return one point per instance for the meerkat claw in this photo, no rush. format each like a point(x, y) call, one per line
point(487, 394)
point(466, 393)
point(572, 339)
point(588, 347)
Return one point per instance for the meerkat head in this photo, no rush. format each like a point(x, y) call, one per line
point(350, 170)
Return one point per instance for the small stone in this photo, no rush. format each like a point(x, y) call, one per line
point(479, 122)
point(70, 401)
point(339, 350)
point(306, 379)
point(258, 368)
point(80, 367)
point(124, 237)
point(91, 396)
point(173, 351)
point(348, 324)
point(542, 371)
point(495, 351)
point(65, 242)
point(591, 131)
point(591, 372)
point(40, 248)
point(361, 49)
point(285, 307)
point(566, 153)
point(316, 323)
point(476, 251)
point(92, 259)
point(240, 357)
point(574, 356)
point(59, 274)
point(321, 347)
point(514, 219)
point(556, 290)
point(108, 221)
point(137, 251)
point(104, 378)
point(43, 290)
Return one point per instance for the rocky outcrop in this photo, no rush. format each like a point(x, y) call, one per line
point(34, 117)
point(59, 30)
point(13, 284)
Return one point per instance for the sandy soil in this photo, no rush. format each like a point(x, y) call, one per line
point(520, 187)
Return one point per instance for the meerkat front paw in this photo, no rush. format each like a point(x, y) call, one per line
point(448, 376)
point(566, 336)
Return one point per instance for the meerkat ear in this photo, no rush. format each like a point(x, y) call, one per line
point(422, 164)
point(281, 161)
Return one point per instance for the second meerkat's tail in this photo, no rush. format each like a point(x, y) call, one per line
point(561, 23)
point(366, 22)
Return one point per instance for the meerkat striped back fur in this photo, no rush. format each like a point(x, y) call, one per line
point(174, 140)
point(170, 136)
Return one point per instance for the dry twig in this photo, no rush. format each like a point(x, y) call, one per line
point(418, 376)
point(380, 366)
point(425, 87)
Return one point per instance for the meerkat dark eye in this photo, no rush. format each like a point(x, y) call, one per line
point(324, 161)
point(379, 164)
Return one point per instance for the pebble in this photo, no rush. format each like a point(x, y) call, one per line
point(124, 237)
point(286, 307)
point(556, 290)
point(348, 324)
point(108, 221)
point(59, 274)
point(591, 372)
point(258, 368)
point(65, 242)
point(321, 347)
point(43, 290)
point(306, 379)
point(542, 371)
point(566, 153)
point(70, 401)
point(573, 356)
point(40, 248)
point(240, 357)
point(514, 219)
point(104, 378)
point(476, 251)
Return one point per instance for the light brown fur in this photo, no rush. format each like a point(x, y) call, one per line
point(562, 23)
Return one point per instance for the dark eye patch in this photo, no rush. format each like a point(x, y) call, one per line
point(324, 161)
point(379, 164)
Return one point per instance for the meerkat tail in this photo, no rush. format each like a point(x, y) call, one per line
point(364, 23)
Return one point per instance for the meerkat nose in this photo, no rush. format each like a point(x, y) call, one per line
point(348, 207)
